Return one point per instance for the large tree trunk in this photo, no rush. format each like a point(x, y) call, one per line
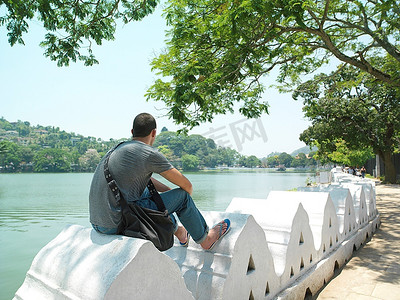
point(390, 171)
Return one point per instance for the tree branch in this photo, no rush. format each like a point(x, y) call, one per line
point(326, 9)
point(363, 65)
point(384, 42)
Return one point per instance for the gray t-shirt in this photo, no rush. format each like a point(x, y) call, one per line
point(131, 165)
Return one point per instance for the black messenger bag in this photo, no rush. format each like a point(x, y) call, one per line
point(140, 222)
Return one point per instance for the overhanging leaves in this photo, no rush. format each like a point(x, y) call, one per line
point(73, 26)
point(219, 52)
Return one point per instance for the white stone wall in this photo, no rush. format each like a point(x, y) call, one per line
point(282, 247)
point(343, 203)
point(82, 264)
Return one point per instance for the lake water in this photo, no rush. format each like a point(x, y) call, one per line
point(34, 208)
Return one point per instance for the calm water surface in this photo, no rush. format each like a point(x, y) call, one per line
point(34, 208)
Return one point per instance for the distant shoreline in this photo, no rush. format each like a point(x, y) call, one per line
point(208, 170)
point(254, 170)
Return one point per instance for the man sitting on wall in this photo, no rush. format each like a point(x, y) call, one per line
point(131, 164)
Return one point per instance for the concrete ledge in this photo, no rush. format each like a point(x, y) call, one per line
point(83, 264)
point(317, 276)
point(287, 231)
point(343, 202)
point(285, 246)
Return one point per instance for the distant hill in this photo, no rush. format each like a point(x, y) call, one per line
point(273, 154)
point(26, 148)
point(305, 150)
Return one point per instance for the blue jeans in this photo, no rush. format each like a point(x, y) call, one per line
point(180, 202)
point(104, 230)
point(176, 201)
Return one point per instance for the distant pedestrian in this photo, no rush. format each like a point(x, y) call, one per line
point(363, 171)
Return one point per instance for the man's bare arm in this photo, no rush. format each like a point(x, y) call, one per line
point(176, 177)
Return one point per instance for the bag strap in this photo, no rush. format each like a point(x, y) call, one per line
point(112, 184)
point(155, 196)
point(110, 180)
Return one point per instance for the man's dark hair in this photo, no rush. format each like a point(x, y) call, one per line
point(143, 124)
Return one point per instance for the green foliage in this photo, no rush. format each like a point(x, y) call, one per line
point(285, 159)
point(299, 160)
point(72, 26)
point(272, 161)
point(343, 155)
point(351, 106)
point(11, 154)
point(52, 160)
point(190, 162)
point(89, 160)
point(252, 162)
point(218, 51)
point(47, 149)
point(175, 146)
point(165, 150)
point(3, 148)
point(227, 156)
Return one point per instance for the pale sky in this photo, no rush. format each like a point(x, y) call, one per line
point(102, 100)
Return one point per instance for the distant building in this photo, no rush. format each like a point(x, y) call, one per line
point(40, 131)
point(24, 140)
point(74, 140)
point(12, 133)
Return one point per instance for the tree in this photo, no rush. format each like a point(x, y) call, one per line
point(3, 147)
point(51, 160)
point(242, 160)
point(211, 144)
point(300, 160)
point(82, 24)
point(190, 162)
point(174, 141)
point(4, 124)
point(168, 153)
point(312, 161)
point(352, 106)
point(23, 128)
point(285, 159)
point(211, 160)
point(272, 161)
point(252, 161)
point(343, 155)
point(218, 51)
point(249, 162)
point(227, 156)
point(196, 144)
point(27, 154)
point(10, 155)
point(89, 160)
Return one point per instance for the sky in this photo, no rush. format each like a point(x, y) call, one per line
point(102, 100)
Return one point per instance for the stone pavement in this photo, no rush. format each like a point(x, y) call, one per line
point(374, 270)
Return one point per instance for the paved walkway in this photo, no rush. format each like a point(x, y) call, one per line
point(374, 270)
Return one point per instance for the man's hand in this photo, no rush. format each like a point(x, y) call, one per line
point(176, 177)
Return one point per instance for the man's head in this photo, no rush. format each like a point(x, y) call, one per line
point(144, 125)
